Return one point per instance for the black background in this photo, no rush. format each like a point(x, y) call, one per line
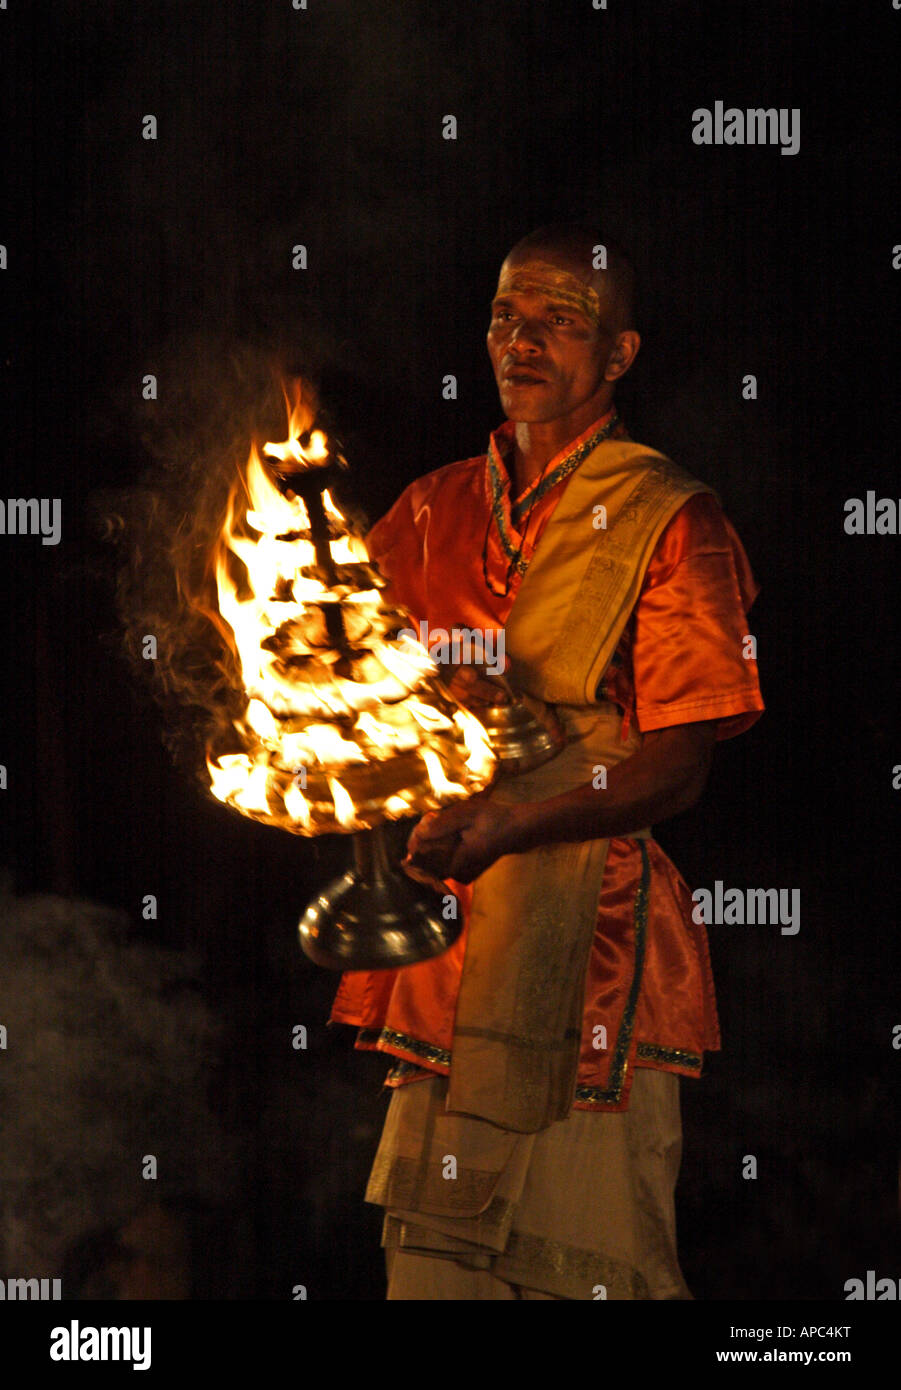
point(324, 127)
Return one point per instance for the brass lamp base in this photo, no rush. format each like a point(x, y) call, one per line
point(374, 917)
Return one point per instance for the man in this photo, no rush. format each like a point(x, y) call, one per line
point(533, 1140)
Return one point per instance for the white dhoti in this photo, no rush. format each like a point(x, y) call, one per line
point(584, 1209)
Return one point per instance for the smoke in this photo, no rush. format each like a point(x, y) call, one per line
point(111, 1047)
point(218, 398)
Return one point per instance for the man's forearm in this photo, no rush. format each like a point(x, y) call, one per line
point(665, 777)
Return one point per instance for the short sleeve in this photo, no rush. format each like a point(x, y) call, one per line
point(395, 543)
point(691, 657)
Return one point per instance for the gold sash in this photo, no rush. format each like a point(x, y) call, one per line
point(576, 596)
point(517, 1028)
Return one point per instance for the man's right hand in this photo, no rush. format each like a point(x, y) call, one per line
point(473, 687)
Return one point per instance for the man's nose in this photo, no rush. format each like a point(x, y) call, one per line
point(527, 334)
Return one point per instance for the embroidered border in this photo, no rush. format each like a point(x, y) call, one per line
point(566, 1266)
point(400, 1183)
point(538, 1262)
point(373, 1038)
point(653, 1052)
point(563, 470)
point(386, 1037)
point(495, 490)
point(620, 1062)
point(609, 583)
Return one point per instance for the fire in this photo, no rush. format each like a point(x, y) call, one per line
point(344, 721)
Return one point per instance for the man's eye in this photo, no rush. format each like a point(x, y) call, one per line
point(502, 314)
point(560, 318)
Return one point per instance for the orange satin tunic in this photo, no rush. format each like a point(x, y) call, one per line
point(649, 996)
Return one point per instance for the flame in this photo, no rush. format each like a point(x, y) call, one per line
point(297, 806)
point(331, 682)
point(436, 775)
point(481, 759)
point(344, 807)
point(300, 418)
point(252, 796)
point(229, 775)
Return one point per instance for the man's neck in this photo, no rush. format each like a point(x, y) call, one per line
point(536, 444)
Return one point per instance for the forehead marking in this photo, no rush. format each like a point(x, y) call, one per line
point(543, 277)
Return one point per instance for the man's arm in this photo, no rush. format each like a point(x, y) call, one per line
point(665, 777)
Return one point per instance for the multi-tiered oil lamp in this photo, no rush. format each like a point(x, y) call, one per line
point(345, 724)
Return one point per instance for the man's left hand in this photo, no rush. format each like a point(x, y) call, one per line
point(462, 841)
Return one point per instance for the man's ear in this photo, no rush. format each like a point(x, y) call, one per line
point(623, 355)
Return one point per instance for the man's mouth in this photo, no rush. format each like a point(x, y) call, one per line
point(521, 376)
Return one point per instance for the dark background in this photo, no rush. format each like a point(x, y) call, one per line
point(324, 127)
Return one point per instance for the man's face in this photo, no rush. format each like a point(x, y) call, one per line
point(548, 353)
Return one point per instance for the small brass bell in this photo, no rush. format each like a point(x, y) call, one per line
point(523, 732)
point(519, 739)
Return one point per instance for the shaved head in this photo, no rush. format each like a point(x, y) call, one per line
point(577, 247)
point(561, 335)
